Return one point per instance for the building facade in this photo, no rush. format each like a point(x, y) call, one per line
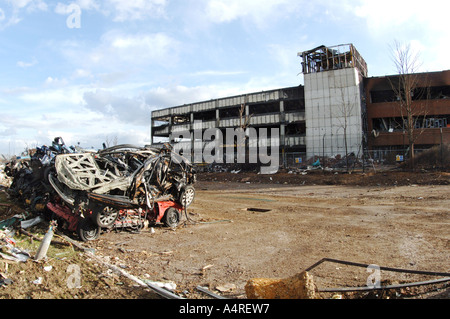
point(281, 109)
point(386, 120)
point(338, 111)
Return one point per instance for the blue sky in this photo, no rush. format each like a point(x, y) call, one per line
point(92, 71)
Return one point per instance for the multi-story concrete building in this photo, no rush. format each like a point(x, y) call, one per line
point(338, 111)
point(386, 121)
point(282, 109)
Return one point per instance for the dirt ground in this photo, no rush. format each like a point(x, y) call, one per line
point(244, 226)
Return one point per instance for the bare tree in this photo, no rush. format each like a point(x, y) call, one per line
point(111, 141)
point(244, 120)
point(244, 123)
point(406, 89)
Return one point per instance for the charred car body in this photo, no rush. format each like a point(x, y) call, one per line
point(29, 182)
point(118, 187)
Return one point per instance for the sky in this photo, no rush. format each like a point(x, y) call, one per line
point(91, 71)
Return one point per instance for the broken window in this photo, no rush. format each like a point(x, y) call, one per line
point(294, 105)
point(229, 112)
point(433, 123)
point(399, 124)
point(266, 108)
point(417, 94)
point(205, 115)
point(159, 126)
point(438, 92)
point(181, 119)
point(390, 124)
point(294, 93)
point(296, 129)
point(383, 96)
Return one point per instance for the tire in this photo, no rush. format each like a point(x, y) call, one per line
point(171, 217)
point(187, 195)
point(87, 230)
point(104, 217)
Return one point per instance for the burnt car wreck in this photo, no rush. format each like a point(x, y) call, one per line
point(124, 186)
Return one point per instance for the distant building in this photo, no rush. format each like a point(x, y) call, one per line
point(338, 111)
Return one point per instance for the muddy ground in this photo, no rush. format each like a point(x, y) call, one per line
point(245, 225)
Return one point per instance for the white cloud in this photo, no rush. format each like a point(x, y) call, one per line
point(285, 56)
point(174, 95)
point(63, 97)
point(120, 10)
point(125, 10)
point(17, 7)
point(55, 82)
point(217, 73)
point(30, 5)
point(118, 50)
point(386, 15)
point(127, 110)
point(23, 64)
point(156, 47)
point(137, 49)
point(424, 25)
point(221, 11)
point(87, 4)
point(81, 73)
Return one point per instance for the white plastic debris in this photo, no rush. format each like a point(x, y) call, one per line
point(31, 222)
point(167, 285)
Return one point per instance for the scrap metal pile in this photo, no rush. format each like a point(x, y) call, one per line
point(123, 186)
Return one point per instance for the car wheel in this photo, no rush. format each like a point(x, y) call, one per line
point(106, 217)
point(171, 217)
point(187, 196)
point(87, 230)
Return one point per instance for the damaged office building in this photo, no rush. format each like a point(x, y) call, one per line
point(338, 111)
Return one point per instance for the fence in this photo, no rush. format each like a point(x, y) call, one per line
point(294, 159)
point(437, 157)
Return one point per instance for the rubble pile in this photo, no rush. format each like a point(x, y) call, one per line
point(87, 191)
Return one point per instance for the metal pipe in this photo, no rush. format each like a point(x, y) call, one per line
point(419, 272)
point(209, 293)
point(419, 283)
point(163, 292)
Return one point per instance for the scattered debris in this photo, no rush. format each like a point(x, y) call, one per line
point(24, 224)
point(226, 288)
point(260, 210)
point(166, 285)
point(8, 249)
point(5, 282)
point(11, 221)
point(205, 268)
